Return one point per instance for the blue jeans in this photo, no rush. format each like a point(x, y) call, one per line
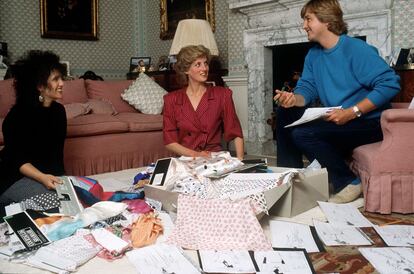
point(324, 141)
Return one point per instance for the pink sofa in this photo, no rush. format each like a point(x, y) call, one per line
point(104, 132)
point(386, 168)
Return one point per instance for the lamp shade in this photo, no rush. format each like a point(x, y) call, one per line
point(194, 32)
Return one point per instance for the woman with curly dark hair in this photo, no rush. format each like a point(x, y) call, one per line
point(34, 130)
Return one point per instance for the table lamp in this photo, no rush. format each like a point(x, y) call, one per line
point(194, 32)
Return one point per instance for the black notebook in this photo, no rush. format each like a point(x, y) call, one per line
point(26, 230)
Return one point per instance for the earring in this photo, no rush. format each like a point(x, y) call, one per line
point(41, 99)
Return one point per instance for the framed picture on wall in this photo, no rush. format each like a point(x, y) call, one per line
point(139, 64)
point(69, 19)
point(171, 12)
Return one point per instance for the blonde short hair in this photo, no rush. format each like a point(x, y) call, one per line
point(327, 11)
point(186, 57)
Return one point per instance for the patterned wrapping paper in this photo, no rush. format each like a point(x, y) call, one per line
point(217, 224)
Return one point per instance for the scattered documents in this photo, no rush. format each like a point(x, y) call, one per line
point(397, 235)
point(390, 259)
point(160, 259)
point(292, 235)
point(344, 214)
point(311, 114)
point(335, 235)
point(283, 261)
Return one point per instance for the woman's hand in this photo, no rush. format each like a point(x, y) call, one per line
point(340, 116)
point(50, 181)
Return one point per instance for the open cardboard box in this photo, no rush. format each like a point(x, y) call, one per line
point(286, 200)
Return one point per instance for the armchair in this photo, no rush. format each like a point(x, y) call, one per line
point(386, 168)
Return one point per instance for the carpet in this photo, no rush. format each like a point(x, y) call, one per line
point(347, 259)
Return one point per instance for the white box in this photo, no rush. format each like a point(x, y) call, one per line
point(286, 200)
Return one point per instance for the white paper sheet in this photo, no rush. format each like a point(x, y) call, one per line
point(397, 235)
point(335, 235)
point(292, 235)
point(278, 261)
point(111, 184)
point(236, 261)
point(160, 259)
point(109, 240)
point(344, 214)
point(411, 106)
point(311, 114)
point(387, 260)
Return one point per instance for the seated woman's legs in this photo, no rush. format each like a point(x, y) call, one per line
point(24, 188)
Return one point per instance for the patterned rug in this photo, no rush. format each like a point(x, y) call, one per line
point(347, 259)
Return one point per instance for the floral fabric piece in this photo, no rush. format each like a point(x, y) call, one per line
point(217, 224)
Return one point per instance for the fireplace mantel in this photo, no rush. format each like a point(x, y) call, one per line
point(277, 22)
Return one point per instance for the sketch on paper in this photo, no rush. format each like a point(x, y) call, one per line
point(282, 261)
point(292, 235)
point(227, 261)
point(344, 214)
point(390, 259)
point(160, 259)
point(333, 235)
point(397, 235)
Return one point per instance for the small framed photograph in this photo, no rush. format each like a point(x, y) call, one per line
point(66, 66)
point(139, 64)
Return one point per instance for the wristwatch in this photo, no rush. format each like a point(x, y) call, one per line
point(357, 112)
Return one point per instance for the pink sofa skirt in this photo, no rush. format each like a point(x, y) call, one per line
point(112, 152)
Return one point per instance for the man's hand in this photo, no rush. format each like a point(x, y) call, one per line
point(340, 116)
point(284, 98)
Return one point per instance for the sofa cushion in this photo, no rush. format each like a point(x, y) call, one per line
point(7, 96)
point(141, 122)
point(74, 110)
point(111, 91)
point(145, 95)
point(102, 106)
point(95, 124)
point(74, 91)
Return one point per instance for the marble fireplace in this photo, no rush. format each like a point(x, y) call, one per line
point(277, 22)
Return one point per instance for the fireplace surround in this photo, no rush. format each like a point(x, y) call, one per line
point(278, 22)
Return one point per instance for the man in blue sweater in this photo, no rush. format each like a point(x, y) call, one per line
point(339, 71)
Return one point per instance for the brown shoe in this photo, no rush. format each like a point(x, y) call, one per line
point(346, 195)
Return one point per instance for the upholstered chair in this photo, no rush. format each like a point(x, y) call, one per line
point(386, 168)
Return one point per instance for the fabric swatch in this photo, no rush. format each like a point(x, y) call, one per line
point(217, 224)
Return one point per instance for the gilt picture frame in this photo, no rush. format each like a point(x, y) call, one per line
point(172, 11)
point(69, 19)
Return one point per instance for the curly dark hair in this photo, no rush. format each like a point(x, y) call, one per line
point(31, 71)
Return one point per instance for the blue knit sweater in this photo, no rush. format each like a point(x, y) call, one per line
point(346, 74)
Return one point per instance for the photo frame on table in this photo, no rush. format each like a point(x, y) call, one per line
point(76, 20)
point(66, 66)
point(136, 63)
point(171, 12)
